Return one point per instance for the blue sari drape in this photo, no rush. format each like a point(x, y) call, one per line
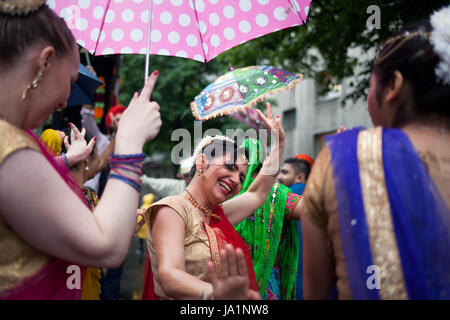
point(393, 222)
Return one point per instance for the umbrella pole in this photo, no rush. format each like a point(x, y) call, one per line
point(88, 59)
point(149, 38)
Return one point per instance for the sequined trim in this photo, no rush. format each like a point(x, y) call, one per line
point(291, 203)
point(214, 248)
point(377, 209)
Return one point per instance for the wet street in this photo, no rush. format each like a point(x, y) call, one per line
point(133, 273)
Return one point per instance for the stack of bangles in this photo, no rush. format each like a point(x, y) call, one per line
point(63, 156)
point(127, 168)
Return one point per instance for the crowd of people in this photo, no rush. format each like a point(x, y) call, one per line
point(367, 219)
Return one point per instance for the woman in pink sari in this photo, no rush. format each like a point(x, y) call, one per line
point(48, 235)
point(47, 232)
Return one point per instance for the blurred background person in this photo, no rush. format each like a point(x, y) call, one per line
point(164, 187)
point(271, 233)
point(294, 174)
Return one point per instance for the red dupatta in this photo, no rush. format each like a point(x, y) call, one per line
point(220, 232)
point(50, 282)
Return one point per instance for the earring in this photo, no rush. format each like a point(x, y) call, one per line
point(200, 172)
point(33, 85)
point(86, 168)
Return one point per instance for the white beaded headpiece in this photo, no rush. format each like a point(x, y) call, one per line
point(20, 7)
point(207, 141)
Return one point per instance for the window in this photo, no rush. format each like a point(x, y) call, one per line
point(289, 119)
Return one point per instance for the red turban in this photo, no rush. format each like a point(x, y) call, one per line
point(115, 111)
point(306, 158)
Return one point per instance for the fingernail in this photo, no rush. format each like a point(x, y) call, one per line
point(95, 138)
point(278, 117)
point(155, 72)
point(70, 124)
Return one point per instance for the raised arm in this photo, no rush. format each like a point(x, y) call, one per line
point(318, 261)
point(239, 208)
point(43, 210)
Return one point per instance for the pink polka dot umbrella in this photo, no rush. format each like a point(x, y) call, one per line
point(194, 29)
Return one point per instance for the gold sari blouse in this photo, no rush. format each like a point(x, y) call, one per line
point(18, 259)
point(319, 201)
point(196, 244)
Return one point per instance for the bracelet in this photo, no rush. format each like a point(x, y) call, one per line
point(129, 163)
point(126, 180)
point(129, 156)
point(138, 172)
point(132, 163)
point(64, 156)
point(267, 168)
point(116, 171)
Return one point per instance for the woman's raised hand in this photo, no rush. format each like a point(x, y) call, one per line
point(272, 163)
point(141, 120)
point(234, 284)
point(274, 125)
point(78, 150)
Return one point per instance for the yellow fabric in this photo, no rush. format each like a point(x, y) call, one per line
point(52, 139)
point(18, 260)
point(147, 201)
point(91, 285)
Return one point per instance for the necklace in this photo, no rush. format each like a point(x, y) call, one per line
point(208, 212)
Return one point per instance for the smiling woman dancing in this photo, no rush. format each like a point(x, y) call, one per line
point(189, 230)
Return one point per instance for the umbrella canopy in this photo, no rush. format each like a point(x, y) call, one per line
point(83, 90)
point(240, 89)
point(195, 29)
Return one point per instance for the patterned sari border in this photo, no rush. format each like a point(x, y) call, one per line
point(378, 215)
point(214, 249)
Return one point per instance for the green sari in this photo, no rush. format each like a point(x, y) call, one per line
point(263, 231)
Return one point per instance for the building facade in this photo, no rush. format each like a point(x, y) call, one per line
point(308, 118)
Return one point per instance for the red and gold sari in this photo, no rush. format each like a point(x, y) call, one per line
point(219, 232)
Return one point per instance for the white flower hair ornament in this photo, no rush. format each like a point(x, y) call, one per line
point(208, 140)
point(440, 38)
point(205, 142)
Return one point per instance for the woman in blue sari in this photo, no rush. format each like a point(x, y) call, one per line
point(376, 219)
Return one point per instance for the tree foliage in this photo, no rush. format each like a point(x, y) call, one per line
point(179, 81)
point(321, 48)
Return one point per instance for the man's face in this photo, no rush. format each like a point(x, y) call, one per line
point(287, 175)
